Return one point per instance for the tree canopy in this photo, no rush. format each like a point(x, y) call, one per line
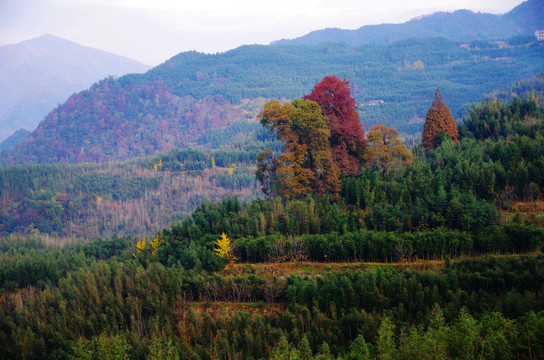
point(306, 166)
point(347, 136)
point(385, 148)
point(322, 136)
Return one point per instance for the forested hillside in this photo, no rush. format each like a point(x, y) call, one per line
point(135, 197)
point(461, 25)
point(533, 86)
point(288, 203)
point(430, 258)
point(12, 141)
point(176, 103)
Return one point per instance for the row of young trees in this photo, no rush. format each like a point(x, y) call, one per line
point(383, 246)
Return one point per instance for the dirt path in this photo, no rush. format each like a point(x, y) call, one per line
point(269, 270)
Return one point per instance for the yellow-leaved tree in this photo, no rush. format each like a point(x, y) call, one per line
point(157, 165)
point(155, 243)
point(231, 169)
point(385, 148)
point(224, 249)
point(140, 247)
point(146, 251)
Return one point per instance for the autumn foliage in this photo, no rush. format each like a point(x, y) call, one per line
point(322, 137)
point(347, 138)
point(385, 148)
point(306, 166)
point(438, 119)
point(224, 249)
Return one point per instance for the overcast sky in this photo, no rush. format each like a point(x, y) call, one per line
point(152, 31)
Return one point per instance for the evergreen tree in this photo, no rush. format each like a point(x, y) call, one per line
point(358, 349)
point(304, 349)
point(386, 340)
point(281, 351)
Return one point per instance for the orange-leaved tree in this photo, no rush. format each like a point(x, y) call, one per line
point(385, 148)
point(438, 119)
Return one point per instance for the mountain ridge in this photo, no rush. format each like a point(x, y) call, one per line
point(522, 20)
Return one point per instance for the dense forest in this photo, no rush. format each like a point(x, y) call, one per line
point(432, 255)
point(88, 200)
point(531, 87)
point(174, 104)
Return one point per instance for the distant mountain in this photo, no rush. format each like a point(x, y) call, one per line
point(38, 74)
point(527, 17)
point(14, 139)
point(204, 100)
point(461, 25)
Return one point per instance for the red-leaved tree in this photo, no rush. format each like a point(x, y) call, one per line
point(347, 137)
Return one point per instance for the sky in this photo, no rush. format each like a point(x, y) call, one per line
point(152, 31)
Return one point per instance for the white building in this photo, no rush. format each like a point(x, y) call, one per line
point(539, 35)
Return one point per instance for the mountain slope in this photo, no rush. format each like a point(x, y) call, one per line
point(532, 87)
point(177, 103)
point(461, 25)
point(134, 197)
point(38, 74)
point(527, 17)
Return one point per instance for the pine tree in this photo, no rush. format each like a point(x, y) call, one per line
point(358, 349)
point(281, 351)
point(305, 349)
point(438, 119)
point(386, 343)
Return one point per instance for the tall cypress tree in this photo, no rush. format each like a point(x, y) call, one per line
point(438, 119)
